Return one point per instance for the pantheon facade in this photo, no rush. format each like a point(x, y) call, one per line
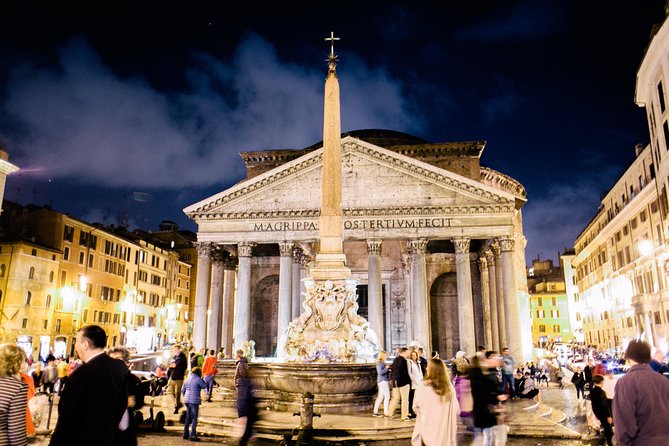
point(434, 239)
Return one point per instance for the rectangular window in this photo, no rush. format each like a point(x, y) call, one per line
point(642, 216)
point(81, 258)
point(84, 317)
point(95, 315)
point(66, 253)
point(45, 324)
point(633, 223)
point(665, 129)
point(556, 329)
point(116, 318)
point(68, 233)
point(90, 260)
point(542, 328)
point(628, 258)
point(658, 318)
point(539, 302)
point(660, 96)
point(58, 322)
point(554, 300)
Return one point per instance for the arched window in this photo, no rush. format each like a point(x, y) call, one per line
point(48, 300)
point(29, 296)
point(2, 270)
point(31, 275)
point(51, 277)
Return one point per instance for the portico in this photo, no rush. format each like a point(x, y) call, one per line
point(438, 255)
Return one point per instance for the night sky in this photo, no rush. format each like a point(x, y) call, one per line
point(115, 110)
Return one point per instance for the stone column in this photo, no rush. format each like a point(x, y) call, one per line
point(228, 307)
point(296, 307)
point(501, 322)
point(242, 329)
point(421, 315)
point(485, 296)
point(465, 299)
point(203, 281)
point(492, 291)
point(285, 288)
point(374, 290)
point(215, 304)
point(511, 311)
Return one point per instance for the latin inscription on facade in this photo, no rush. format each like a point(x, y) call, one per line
point(358, 224)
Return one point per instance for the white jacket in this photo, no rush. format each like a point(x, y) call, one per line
point(415, 374)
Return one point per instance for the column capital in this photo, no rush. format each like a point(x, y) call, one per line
point(374, 247)
point(490, 258)
point(417, 246)
point(244, 249)
point(230, 263)
point(461, 245)
point(286, 249)
point(203, 249)
point(506, 244)
point(494, 248)
point(297, 254)
point(305, 260)
point(483, 264)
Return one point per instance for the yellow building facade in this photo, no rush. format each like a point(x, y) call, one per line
point(112, 278)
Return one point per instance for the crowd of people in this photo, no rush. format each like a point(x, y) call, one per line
point(97, 404)
point(98, 393)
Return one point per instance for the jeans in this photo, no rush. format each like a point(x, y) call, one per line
point(510, 380)
point(482, 436)
point(192, 411)
point(383, 396)
point(209, 381)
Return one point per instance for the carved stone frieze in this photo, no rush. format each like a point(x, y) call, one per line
point(397, 162)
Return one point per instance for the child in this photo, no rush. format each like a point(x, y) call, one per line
point(600, 407)
point(190, 393)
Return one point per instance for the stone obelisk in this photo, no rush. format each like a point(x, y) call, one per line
point(330, 261)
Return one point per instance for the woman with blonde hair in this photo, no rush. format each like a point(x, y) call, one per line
point(13, 397)
point(382, 380)
point(436, 408)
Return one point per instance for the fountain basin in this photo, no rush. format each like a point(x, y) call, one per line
point(337, 387)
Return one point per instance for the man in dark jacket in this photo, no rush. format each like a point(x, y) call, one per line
point(176, 373)
point(402, 385)
point(600, 407)
point(641, 402)
point(246, 403)
point(94, 402)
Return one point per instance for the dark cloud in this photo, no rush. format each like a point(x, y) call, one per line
point(81, 120)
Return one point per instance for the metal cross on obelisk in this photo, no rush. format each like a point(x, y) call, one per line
point(332, 57)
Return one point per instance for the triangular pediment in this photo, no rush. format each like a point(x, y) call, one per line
point(373, 178)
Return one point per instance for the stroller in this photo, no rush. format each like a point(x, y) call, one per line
point(153, 387)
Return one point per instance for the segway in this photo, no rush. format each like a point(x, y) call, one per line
point(153, 423)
